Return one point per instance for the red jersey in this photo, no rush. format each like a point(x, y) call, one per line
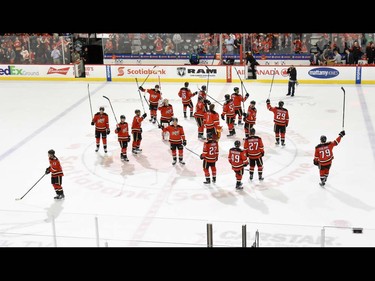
point(228, 109)
point(251, 115)
point(237, 99)
point(323, 151)
point(186, 95)
point(210, 151)
point(55, 167)
point(237, 158)
point(176, 134)
point(211, 120)
point(254, 147)
point(101, 122)
point(280, 115)
point(202, 94)
point(166, 112)
point(136, 124)
point(155, 96)
point(200, 109)
point(122, 130)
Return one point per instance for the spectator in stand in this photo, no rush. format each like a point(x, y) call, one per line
point(55, 55)
point(10, 55)
point(336, 58)
point(85, 55)
point(2, 56)
point(370, 52)
point(76, 58)
point(315, 59)
point(169, 48)
point(327, 54)
point(349, 59)
point(357, 53)
point(25, 55)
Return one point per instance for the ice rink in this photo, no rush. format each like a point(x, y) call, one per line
point(147, 202)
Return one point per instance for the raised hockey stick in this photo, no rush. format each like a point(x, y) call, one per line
point(242, 87)
point(111, 108)
point(31, 187)
point(343, 109)
point(149, 106)
point(208, 77)
point(140, 96)
point(159, 82)
point(193, 152)
point(148, 75)
point(88, 91)
point(273, 76)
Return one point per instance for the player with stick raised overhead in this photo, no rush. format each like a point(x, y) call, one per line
point(237, 100)
point(250, 118)
point(137, 131)
point(155, 96)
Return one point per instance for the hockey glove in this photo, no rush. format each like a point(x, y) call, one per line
point(222, 117)
point(244, 115)
point(268, 101)
point(195, 93)
point(247, 95)
point(47, 171)
point(144, 115)
point(316, 162)
point(262, 153)
point(184, 142)
point(342, 133)
point(108, 131)
point(92, 123)
point(201, 157)
point(141, 88)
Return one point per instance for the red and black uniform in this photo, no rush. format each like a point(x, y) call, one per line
point(202, 93)
point(200, 110)
point(238, 159)
point(210, 155)
point(137, 132)
point(176, 139)
point(211, 121)
point(185, 94)
point(166, 112)
point(237, 100)
point(122, 131)
point(324, 155)
point(281, 120)
point(250, 119)
point(56, 176)
point(254, 148)
point(155, 96)
point(100, 121)
point(228, 110)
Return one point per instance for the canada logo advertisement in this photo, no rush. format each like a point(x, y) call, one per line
point(323, 72)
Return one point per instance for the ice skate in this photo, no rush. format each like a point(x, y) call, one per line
point(208, 181)
point(174, 162)
point(181, 162)
point(134, 151)
point(213, 179)
point(239, 185)
point(60, 196)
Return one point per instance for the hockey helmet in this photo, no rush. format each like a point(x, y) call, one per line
point(137, 111)
point(323, 139)
point(209, 135)
point(101, 108)
point(237, 143)
point(227, 97)
point(186, 84)
point(253, 102)
point(281, 103)
point(122, 117)
point(204, 87)
point(174, 119)
point(236, 89)
point(51, 151)
point(156, 86)
point(252, 131)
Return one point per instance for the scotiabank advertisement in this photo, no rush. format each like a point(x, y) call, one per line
point(168, 73)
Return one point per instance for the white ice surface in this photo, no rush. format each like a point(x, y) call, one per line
point(149, 202)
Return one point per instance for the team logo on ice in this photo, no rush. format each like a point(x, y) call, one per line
point(181, 71)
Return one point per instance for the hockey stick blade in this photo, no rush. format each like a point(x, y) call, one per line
point(105, 97)
point(17, 199)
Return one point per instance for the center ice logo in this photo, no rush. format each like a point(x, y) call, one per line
point(323, 72)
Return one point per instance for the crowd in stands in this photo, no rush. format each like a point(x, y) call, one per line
point(66, 48)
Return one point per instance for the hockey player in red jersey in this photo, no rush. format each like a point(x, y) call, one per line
point(324, 155)
point(122, 130)
point(238, 159)
point(137, 131)
point(185, 94)
point(237, 100)
point(281, 120)
point(101, 123)
point(155, 96)
point(177, 140)
point(250, 118)
point(166, 111)
point(254, 148)
point(202, 93)
point(56, 174)
point(228, 110)
point(211, 121)
point(210, 156)
point(200, 110)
